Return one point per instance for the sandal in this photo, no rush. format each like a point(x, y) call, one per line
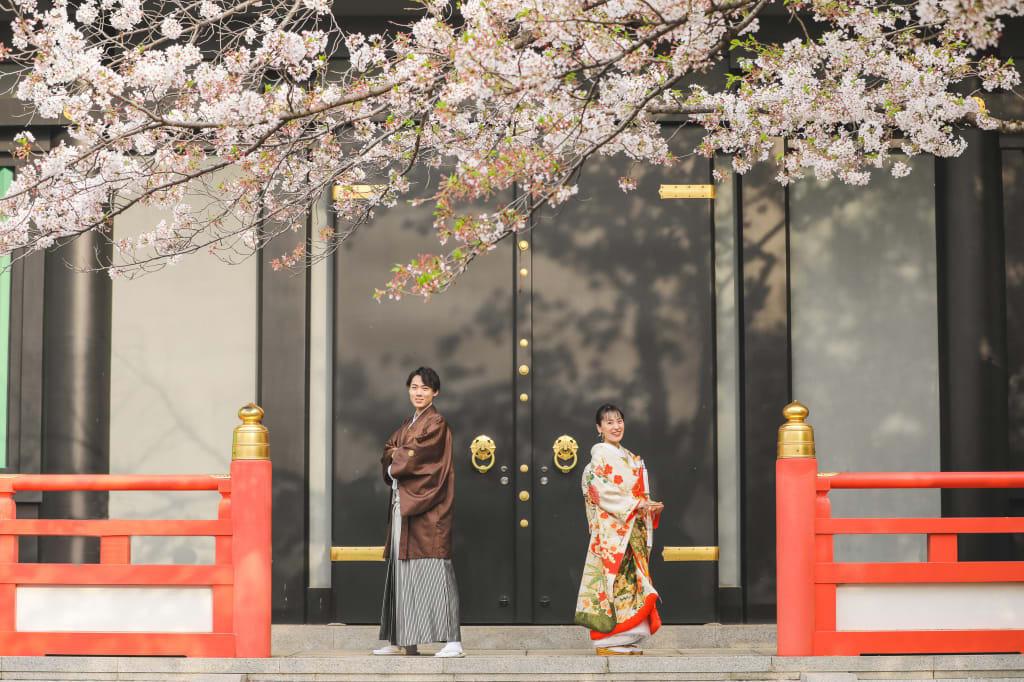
point(619, 651)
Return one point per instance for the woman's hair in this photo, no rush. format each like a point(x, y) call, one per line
point(427, 376)
point(603, 410)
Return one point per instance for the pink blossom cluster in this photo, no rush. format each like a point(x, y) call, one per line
point(236, 116)
point(881, 80)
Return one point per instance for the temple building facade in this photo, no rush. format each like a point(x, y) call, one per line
point(894, 311)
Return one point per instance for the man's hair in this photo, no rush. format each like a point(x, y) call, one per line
point(427, 376)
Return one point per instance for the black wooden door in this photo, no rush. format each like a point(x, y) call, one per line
point(466, 335)
point(623, 313)
point(609, 299)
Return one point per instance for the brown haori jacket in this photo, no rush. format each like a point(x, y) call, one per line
point(420, 457)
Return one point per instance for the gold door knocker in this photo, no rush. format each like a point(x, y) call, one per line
point(565, 450)
point(482, 448)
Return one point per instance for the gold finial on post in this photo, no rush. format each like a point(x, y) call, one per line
point(251, 439)
point(796, 437)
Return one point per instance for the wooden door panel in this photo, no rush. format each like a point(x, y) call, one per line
point(466, 335)
point(623, 313)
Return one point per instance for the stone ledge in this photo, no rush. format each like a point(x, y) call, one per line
point(61, 675)
point(293, 639)
point(803, 664)
point(79, 664)
point(184, 677)
point(521, 666)
point(979, 662)
point(689, 664)
point(535, 665)
point(197, 666)
point(366, 664)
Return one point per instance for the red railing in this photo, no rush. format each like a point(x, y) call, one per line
point(239, 578)
point(809, 578)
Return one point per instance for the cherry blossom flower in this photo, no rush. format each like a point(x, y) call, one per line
point(235, 118)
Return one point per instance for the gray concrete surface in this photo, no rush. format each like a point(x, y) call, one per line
point(305, 653)
point(495, 665)
point(291, 639)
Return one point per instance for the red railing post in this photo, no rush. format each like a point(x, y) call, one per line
point(115, 549)
point(8, 555)
point(251, 523)
point(824, 594)
point(795, 473)
point(942, 547)
point(223, 595)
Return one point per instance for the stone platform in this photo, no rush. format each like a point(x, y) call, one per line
point(294, 639)
point(516, 666)
point(550, 654)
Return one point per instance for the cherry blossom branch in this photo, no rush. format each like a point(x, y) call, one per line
point(233, 120)
point(1008, 127)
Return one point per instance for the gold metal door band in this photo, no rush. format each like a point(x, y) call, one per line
point(339, 192)
point(664, 191)
point(667, 553)
point(686, 192)
point(357, 553)
point(689, 553)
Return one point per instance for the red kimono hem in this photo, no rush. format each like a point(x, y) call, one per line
point(649, 609)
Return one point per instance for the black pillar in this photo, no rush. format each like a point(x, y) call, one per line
point(765, 374)
point(1013, 215)
point(972, 329)
point(283, 395)
point(76, 386)
point(25, 388)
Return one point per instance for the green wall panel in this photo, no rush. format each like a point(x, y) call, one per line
point(6, 177)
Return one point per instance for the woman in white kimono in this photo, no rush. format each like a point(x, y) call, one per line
point(617, 600)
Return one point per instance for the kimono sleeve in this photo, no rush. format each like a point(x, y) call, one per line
point(421, 453)
point(610, 496)
point(389, 453)
point(655, 516)
point(422, 466)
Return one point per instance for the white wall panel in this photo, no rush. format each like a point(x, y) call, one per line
point(930, 606)
point(865, 342)
point(183, 362)
point(114, 609)
point(727, 398)
point(321, 410)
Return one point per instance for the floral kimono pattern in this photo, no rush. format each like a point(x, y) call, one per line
point(616, 593)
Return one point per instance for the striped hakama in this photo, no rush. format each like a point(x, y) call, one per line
point(421, 599)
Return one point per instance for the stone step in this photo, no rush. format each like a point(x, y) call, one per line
point(521, 666)
point(292, 639)
point(313, 653)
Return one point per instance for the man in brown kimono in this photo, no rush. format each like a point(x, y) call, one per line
point(421, 598)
